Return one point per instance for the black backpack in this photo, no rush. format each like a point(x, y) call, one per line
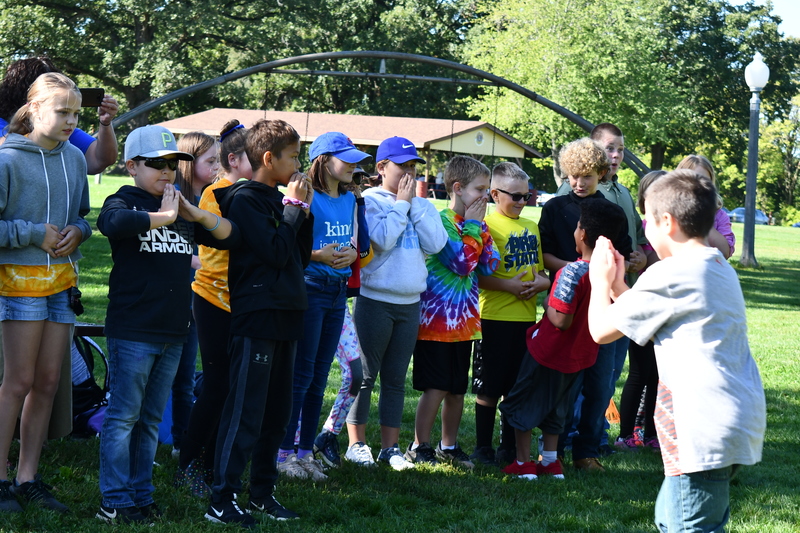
point(88, 398)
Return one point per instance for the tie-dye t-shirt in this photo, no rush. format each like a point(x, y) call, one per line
point(449, 306)
point(36, 280)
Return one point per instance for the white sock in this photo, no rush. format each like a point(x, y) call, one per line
point(414, 446)
point(453, 447)
point(548, 457)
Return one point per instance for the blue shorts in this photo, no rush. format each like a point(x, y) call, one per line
point(54, 308)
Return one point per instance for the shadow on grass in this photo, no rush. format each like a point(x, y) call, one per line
point(769, 287)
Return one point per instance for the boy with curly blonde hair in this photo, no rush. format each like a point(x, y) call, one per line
point(585, 164)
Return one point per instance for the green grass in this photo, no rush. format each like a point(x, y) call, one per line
point(443, 499)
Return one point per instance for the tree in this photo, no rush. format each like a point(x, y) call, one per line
point(779, 161)
point(669, 73)
point(143, 49)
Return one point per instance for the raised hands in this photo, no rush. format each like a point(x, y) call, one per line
point(477, 209)
point(406, 188)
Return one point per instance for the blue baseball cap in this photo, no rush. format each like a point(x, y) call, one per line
point(398, 150)
point(339, 146)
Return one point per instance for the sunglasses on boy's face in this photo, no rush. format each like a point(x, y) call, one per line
point(158, 163)
point(516, 196)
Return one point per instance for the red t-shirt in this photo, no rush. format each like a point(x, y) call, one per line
point(571, 350)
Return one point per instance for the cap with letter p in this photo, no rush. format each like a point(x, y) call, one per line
point(398, 150)
point(153, 141)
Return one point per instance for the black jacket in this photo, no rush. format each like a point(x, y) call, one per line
point(265, 273)
point(149, 288)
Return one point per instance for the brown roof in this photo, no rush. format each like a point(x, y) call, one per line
point(363, 130)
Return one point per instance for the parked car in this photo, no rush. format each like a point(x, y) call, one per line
point(796, 225)
point(543, 197)
point(737, 215)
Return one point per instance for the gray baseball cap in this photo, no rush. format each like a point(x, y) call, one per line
point(153, 141)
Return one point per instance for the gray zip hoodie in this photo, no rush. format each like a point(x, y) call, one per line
point(38, 187)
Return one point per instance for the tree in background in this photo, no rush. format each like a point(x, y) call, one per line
point(779, 166)
point(669, 73)
point(144, 49)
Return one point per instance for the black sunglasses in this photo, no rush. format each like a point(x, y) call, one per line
point(158, 163)
point(517, 197)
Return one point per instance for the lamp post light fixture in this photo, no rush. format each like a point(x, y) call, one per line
point(756, 74)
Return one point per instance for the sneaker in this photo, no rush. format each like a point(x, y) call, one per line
point(553, 470)
point(360, 454)
point(291, 467)
point(327, 446)
point(606, 449)
point(589, 464)
point(151, 511)
point(272, 508)
point(312, 467)
point(455, 456)
point(8, 503)
point(524, 471)
point(37, 491)
point(121, 515)
point(627, 444)
point(228, 512)
point(393, 457)
point(422, 454)
point(484, 455)
point(652, 443)
point(506, 455)
point(194, 477)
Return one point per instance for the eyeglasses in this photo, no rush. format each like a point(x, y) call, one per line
point(158, 163)
point(516, 196)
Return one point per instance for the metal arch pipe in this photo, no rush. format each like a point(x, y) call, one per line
point(633, 162)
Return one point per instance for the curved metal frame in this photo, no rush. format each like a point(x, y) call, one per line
point(632, 161)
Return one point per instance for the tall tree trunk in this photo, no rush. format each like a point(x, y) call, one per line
point(657, 156)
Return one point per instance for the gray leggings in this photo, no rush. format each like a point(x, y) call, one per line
point(388, 333)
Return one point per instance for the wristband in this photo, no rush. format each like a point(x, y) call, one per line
point(219, 219)
point(294, 201)
point(110, 123)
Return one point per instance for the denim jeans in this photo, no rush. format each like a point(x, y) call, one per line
point(595, 384)
point(140, 377)
point(698, 502)
point(183, 387)
point(322, 327)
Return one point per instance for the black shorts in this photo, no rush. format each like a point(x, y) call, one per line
point(498, 356)
point(442, 366)
point(540, 398)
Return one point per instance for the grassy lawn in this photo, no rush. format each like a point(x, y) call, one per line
point(445, 499)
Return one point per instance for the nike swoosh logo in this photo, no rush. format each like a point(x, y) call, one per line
point(218, 513)
point(112, 516)
point(408, 146)
point(259, 507)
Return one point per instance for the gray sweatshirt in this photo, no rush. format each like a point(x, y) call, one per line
point(38, 187)
point(402, 235)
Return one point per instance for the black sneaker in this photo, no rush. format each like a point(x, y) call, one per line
point(8, 503)
point(272, 508)
point(228, 512)
point(485, 456)
point(506, 455)
point(455, 456)
point(422, 454)
point(327, 446)
point(37, 491)
point(121, 515)
point(151, 511)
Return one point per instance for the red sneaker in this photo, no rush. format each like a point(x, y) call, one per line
point(526, 470)
point(553, 469)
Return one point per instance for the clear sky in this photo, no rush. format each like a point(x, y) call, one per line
point(788, 10)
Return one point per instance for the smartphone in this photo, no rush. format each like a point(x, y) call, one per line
point(92, 97)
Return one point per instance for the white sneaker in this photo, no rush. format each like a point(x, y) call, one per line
point(360, 454)
point(394, 458)
point(291, 467)
point(313, 467)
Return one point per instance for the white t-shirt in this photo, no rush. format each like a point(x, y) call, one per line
point(692, 307)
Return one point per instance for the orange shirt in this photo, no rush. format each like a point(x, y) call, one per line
point(211, 280)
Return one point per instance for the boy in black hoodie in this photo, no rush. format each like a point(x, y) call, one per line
point(151, 229)
point(268, 298)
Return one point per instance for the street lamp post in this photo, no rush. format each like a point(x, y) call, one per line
point(756, 74)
